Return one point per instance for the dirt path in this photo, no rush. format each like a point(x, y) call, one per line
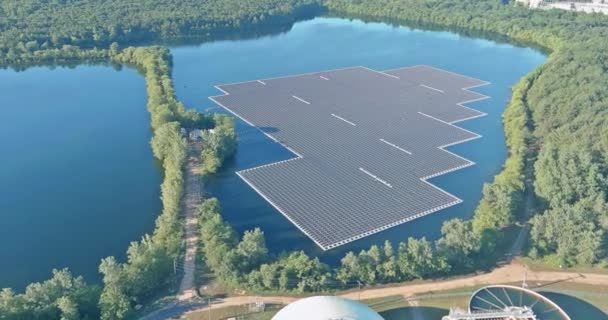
point(528, 209)
point(192, 198)
point(511, 273)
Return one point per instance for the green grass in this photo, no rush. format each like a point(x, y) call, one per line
point(386, 303)
point(461, 301)
point(542, 265)
point(239, 312)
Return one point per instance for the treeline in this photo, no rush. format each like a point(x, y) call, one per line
point(246, 263)
point(31, 26)
point(503, 199)
point(62, 297)
point(219, 144)
point(150, 262)
point(65, 55)
point(557, 114)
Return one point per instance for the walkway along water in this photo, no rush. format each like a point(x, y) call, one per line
point(192, 198)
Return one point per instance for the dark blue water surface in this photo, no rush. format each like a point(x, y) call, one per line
point(329, 43)
point(78, 181)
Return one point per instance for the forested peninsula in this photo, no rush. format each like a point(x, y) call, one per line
point(556, 127)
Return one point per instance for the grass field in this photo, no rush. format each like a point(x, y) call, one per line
point(541, 265)
point(237, 312)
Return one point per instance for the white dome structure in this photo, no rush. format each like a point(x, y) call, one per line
point(326, 308)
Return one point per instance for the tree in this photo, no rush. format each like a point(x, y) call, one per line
point(389, 270)
point(496, 208)
point(252, 249)
point(366, 267)
point(572, 232)
point(210, 163)
point(350, 269)
point(565, 175)
point(167, 139)
point(10, 305)
point(301, 273)
point(269, 275)
point(417, 259)
point(114, 302)
point(114, 48)
point(220, 144)
point(148, 268)
point(69, 309)
point(458, 243)
point(61, 297)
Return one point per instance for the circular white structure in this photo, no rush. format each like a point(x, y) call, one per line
point(506, 298)
point(326, 308)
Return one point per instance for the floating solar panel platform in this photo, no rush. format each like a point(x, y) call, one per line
point(365, 143)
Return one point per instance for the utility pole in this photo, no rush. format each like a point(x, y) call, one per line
point(359, 285)
point(174, 266)
point(524, 284)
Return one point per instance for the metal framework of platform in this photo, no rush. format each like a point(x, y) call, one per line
point(517, 313)
point(365, 144)
point(497, 302)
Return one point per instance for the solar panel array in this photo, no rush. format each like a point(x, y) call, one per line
point(365, 142)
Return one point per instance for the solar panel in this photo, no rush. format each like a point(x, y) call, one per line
point(364, 144)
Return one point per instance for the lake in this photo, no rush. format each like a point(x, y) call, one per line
point(328, 43)
point(78, 181)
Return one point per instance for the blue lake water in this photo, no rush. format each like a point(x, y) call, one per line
point(78, 181)
point(330, 43)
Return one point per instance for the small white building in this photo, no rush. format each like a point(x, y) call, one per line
point(531, 3)
point(588, 7)
point(195, 135)
point(600, 6)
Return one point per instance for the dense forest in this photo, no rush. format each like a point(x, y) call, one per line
point(556, 127)
point(41, 30)
point(31, 25)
